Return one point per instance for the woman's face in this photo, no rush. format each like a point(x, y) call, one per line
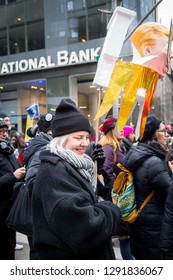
point(162, 134)
point(131, 137)
point(78, 142)
point(119, 135)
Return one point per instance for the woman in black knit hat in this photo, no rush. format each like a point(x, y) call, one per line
point(148, 161)
point(68, 221)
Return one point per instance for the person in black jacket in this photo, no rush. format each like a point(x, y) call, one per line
point(166, 240)
point(10, 172)
point(68, 221)
point(31, 159)
point(148, 161)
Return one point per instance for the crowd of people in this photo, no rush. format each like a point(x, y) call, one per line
point(73, 213)
point(70, 177)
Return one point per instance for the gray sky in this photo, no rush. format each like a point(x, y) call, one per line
point(165, 12)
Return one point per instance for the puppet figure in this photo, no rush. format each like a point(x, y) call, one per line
point(138, 79)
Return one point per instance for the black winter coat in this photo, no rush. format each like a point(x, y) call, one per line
point(167, 228)
point(68, 222)
point(31, 157)
point(8, 164)
point(151, 172)
point(127, 143)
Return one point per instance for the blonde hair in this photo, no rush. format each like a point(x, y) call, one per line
point(60, 141)
point(147, 34)
point(110, 139)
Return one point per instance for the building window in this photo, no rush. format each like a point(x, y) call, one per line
point(35, 24)
point(35, 34)
point(21, 26)
point(2, 2)
point(17, 39)
point(57, 88)
point(3, 42)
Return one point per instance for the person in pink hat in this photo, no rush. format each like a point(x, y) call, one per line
point(129, 137)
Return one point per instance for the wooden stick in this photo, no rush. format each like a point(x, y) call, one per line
point(97, 124)
point(97, 121)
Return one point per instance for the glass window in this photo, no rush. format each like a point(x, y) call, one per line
point(75, 5)
point(35, 33)
point(56, 23)
point(57, 88)
point(17, 39)
point(3, 42)
point(34, 10)
point(35, 24)
point(15, 14)
point(2, 2)
point(3, 31)
point(97, 23)
point(12, 1)
point(3, 21)
point(77, 29)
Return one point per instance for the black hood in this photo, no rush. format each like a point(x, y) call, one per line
point(140, 152)
point(36, 143)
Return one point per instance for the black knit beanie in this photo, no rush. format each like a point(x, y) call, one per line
point(45, 122)
point(151, 126)
point(3, 115)
point(68, 119)
point(3, 123)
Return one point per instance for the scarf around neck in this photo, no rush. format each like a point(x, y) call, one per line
point(84, 164)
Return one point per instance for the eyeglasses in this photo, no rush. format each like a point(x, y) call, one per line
point(2, 131)
point(163, 131)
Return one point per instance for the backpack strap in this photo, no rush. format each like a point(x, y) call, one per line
point(146, 201)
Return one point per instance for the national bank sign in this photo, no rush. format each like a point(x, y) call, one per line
point(62, 58)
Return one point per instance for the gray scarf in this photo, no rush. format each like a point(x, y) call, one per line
point(84, 164)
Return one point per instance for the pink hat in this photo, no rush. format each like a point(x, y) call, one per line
point(127, 130)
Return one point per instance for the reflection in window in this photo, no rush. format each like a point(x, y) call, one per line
point(70, 5)
point(35, 24)
point(36, 38)
point(2, 2)
point(74, 5)
point(15, 14)
point(57, 88)
point(77, 30)
point(25, 23)
point(3, 32)
point(97, 24)
point(3, 42)
point(16, 39)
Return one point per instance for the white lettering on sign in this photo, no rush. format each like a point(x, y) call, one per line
point(62, 57)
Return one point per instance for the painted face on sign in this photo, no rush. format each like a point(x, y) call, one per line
point(150, 41)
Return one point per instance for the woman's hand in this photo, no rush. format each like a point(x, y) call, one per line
point(20, 173)
point(170, 163)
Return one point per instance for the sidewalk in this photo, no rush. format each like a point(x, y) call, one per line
point(24, 253)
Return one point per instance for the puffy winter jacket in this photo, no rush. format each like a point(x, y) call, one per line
point(151, 172)
point(166, 240)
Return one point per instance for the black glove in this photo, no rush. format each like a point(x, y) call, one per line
point(99, 156)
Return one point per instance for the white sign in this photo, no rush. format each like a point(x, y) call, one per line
point(63, 58)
